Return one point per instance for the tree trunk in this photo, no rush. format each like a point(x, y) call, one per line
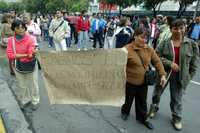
point(196, 10)
point(181, 13)
point(180, 9)
point(120, 10)
point(159, 6)
point(154, 12)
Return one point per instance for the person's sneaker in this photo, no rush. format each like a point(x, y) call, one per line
point(124, 117)
point(78, 49)
point(152, 111)
point(177, 124)
point(85, 49)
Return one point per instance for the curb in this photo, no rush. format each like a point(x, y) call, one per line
point(13, 117)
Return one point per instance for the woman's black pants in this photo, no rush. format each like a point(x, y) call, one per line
point(139, 92)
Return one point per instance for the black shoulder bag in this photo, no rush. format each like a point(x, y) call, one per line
point(150, 73)
point(58, 26)
point(23, 67)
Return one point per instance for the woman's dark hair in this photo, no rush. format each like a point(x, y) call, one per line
point(83, 12)
point(177, 23)
point(139, 31)
point(17, 23)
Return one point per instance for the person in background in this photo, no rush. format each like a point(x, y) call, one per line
point(110, 30)
point(83, 27)
point(22, 47)
point(165, 29)
point(194, 31)
point(68, 35)
point(135, 23)
point(32, 27)
point(123, 34)
point(98, 27)
point(44, 25)
point(59, 29)
point(154, 34)
point(6, 32)
point(50, 38)
point(179, 56)
point(135, 71)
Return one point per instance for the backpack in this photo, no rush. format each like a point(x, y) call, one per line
point(124, 37)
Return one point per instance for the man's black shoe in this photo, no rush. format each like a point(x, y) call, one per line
point(148, 124)
point(34, 107)
point(124, 117)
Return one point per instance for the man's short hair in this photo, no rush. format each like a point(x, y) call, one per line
point(177, 23)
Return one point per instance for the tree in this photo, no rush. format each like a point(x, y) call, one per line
point(17, 6)
point(35, 6)
point(53, 5)
point(3, 6)
point(76, 5)
point(183, 4)
point(154, 5)
point(50, 6)
point(196, 9)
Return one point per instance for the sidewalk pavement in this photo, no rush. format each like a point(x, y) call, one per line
point(13, 117)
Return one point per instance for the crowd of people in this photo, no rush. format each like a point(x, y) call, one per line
point(170, 45)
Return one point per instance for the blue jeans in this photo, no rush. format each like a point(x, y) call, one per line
point(50, 41)
point(46, 34)
point(83, 39)
point(68, 42)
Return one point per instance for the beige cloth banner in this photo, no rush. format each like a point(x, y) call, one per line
point(94, 77)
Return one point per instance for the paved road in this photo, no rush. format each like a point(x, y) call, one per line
point(105, 119)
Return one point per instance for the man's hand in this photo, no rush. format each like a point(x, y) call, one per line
point(175, 67)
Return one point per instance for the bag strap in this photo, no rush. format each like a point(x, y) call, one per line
point(13, 45)
point(140, 59)
point(58, 26)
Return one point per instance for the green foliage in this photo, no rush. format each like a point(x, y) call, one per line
point(3, 6)
point(16, 6)
point(79, 5)
point(53, 5)
point(45, 6)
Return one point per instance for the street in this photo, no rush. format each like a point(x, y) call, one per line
point(106, 119)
